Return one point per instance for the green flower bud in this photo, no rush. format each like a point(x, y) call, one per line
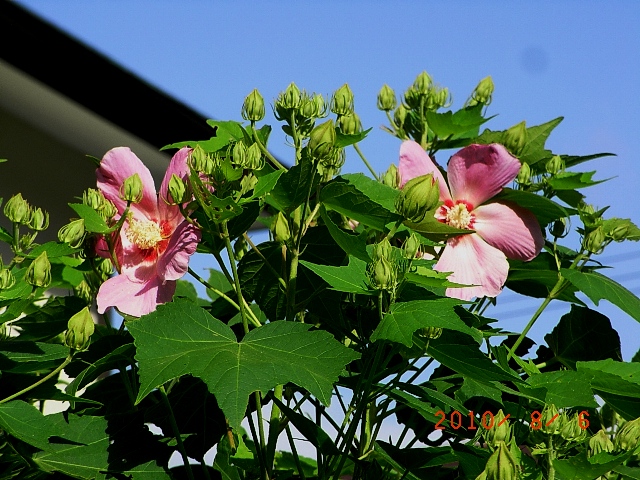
point(280, 228)
point(559, 228)
point(72, 233)
point(7, 280)
point(39, 220)
point(524, 175)
point(387, 98)
point(571, 430)
point(79, 330)
point(390, 177)
point(321, 106)
point(254, 160)
point(253, 107)
point(96, 200)
point(26, 241)
point(308, 108)
point(382, 274)
point(422, 84)
point(131, 190)
point(322, 140)
point(591, 218)
point(594, 241)
point(482, 93)
point(330, 166)
point(39, 272)
point(83, 291)
point(342, 101)
point(554, 165)
point(350, 124)
point(177, 190)
point(418, 196)
point(411, 246)
point(399, 117)
point(239, 154)
point(600, 442)
point(515, 138)
point(440, 98)
point(17, 209)
point(628, 437)
point(382, 249)
point(501, 464)
point(548, 413)
point(240, 248)
point(499, 433)
point(105, 268)
point(200, 161)
point(430, 333)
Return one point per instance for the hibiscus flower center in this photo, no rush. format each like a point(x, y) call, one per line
point(458, 214)
point(145, 234)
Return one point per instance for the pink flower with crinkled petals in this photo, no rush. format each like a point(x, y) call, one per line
point(503, 229)
point(155, 241)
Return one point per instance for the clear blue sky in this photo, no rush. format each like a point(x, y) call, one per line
point(578, 59)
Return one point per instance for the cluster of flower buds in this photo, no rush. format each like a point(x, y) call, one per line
point(18, 211)
point(482, 94)
point(424, 95)
point(79, 330)
point(628, 437)
point(571, 428)
point(96, 200)
point(39, 271)
point(418, 196)
point(299, 110)
point(501, 465)
point(382, 270)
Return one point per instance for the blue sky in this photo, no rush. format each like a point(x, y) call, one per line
point(577, 59)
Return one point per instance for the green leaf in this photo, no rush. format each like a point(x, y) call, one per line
point(20, 351)
point(53, 249)
point(352, 244)
point(221, 462)
point(464, 121)
point(461, 354)
point(573, 180)
point(406, 318)
point(225, 133)
point(598, 287)
point(565, 388)
point(218, 280)
point(628, 472)
point(582, 335)
point(92, 221)
point(343, 140)
point(632, 230)
point(180, 338)
point(266, 183)
point(470, 389)
point(25, 422)
point(580, 467)
point(361, 199)
point(351, 279)
point(293, 186)
point(545, 210)
point(5, 236)
point(572, 160)
point(431, 279)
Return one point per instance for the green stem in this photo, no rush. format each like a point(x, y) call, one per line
point(274, 426)
point(258, 399)
point(294, 452)
point(236, 278)
point(264, 150)
point(366, 162)
point(66, 362)
point(394, 229)
point(176, 432)
point(551, 454)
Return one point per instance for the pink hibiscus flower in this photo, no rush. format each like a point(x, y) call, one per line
point(155, 242)
point(502, 229)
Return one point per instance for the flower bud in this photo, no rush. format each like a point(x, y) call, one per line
point(430, 333)
point(422, 83)
point(240, 248)
point(39, 272)
point(342, 101)
point(26, 241)
point(7, 280)
point(628, 437)
point(411, 246)
point(290, 98)
point(39, 220)
point(105, 268)
point(501, 431)
point(72, 233)
point(594, 241)
point(322, 140)
point(524, 175)
point(570, 429)
point(200, 161)
point(387, 98)
point(131, 190)
point(382, 249)
point(17, 209)
point(382, 274)
point(440, 98)
point(83, 291)
point(600, 442)
point(239, 154)
point(554, 165)
point(96, 200)
point(417, 197)
point(253, 107)
point(559, 228)
point(254, 160)
point(390, 177)
point(551, 423)
point(79, 330)
point(515, 138)
point(280, 228)
point(482, 93)
point(501, 464)
point(399, 117)
point(350, 123)
point(177, 190)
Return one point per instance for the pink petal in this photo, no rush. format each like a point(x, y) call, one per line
point(178, 165)
point(473, 262)
point(510, 228)
point(478, 172)
point(174, 262)
point(133, 298)
point(414, 162)
point(136, 264)
point(116, 166)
